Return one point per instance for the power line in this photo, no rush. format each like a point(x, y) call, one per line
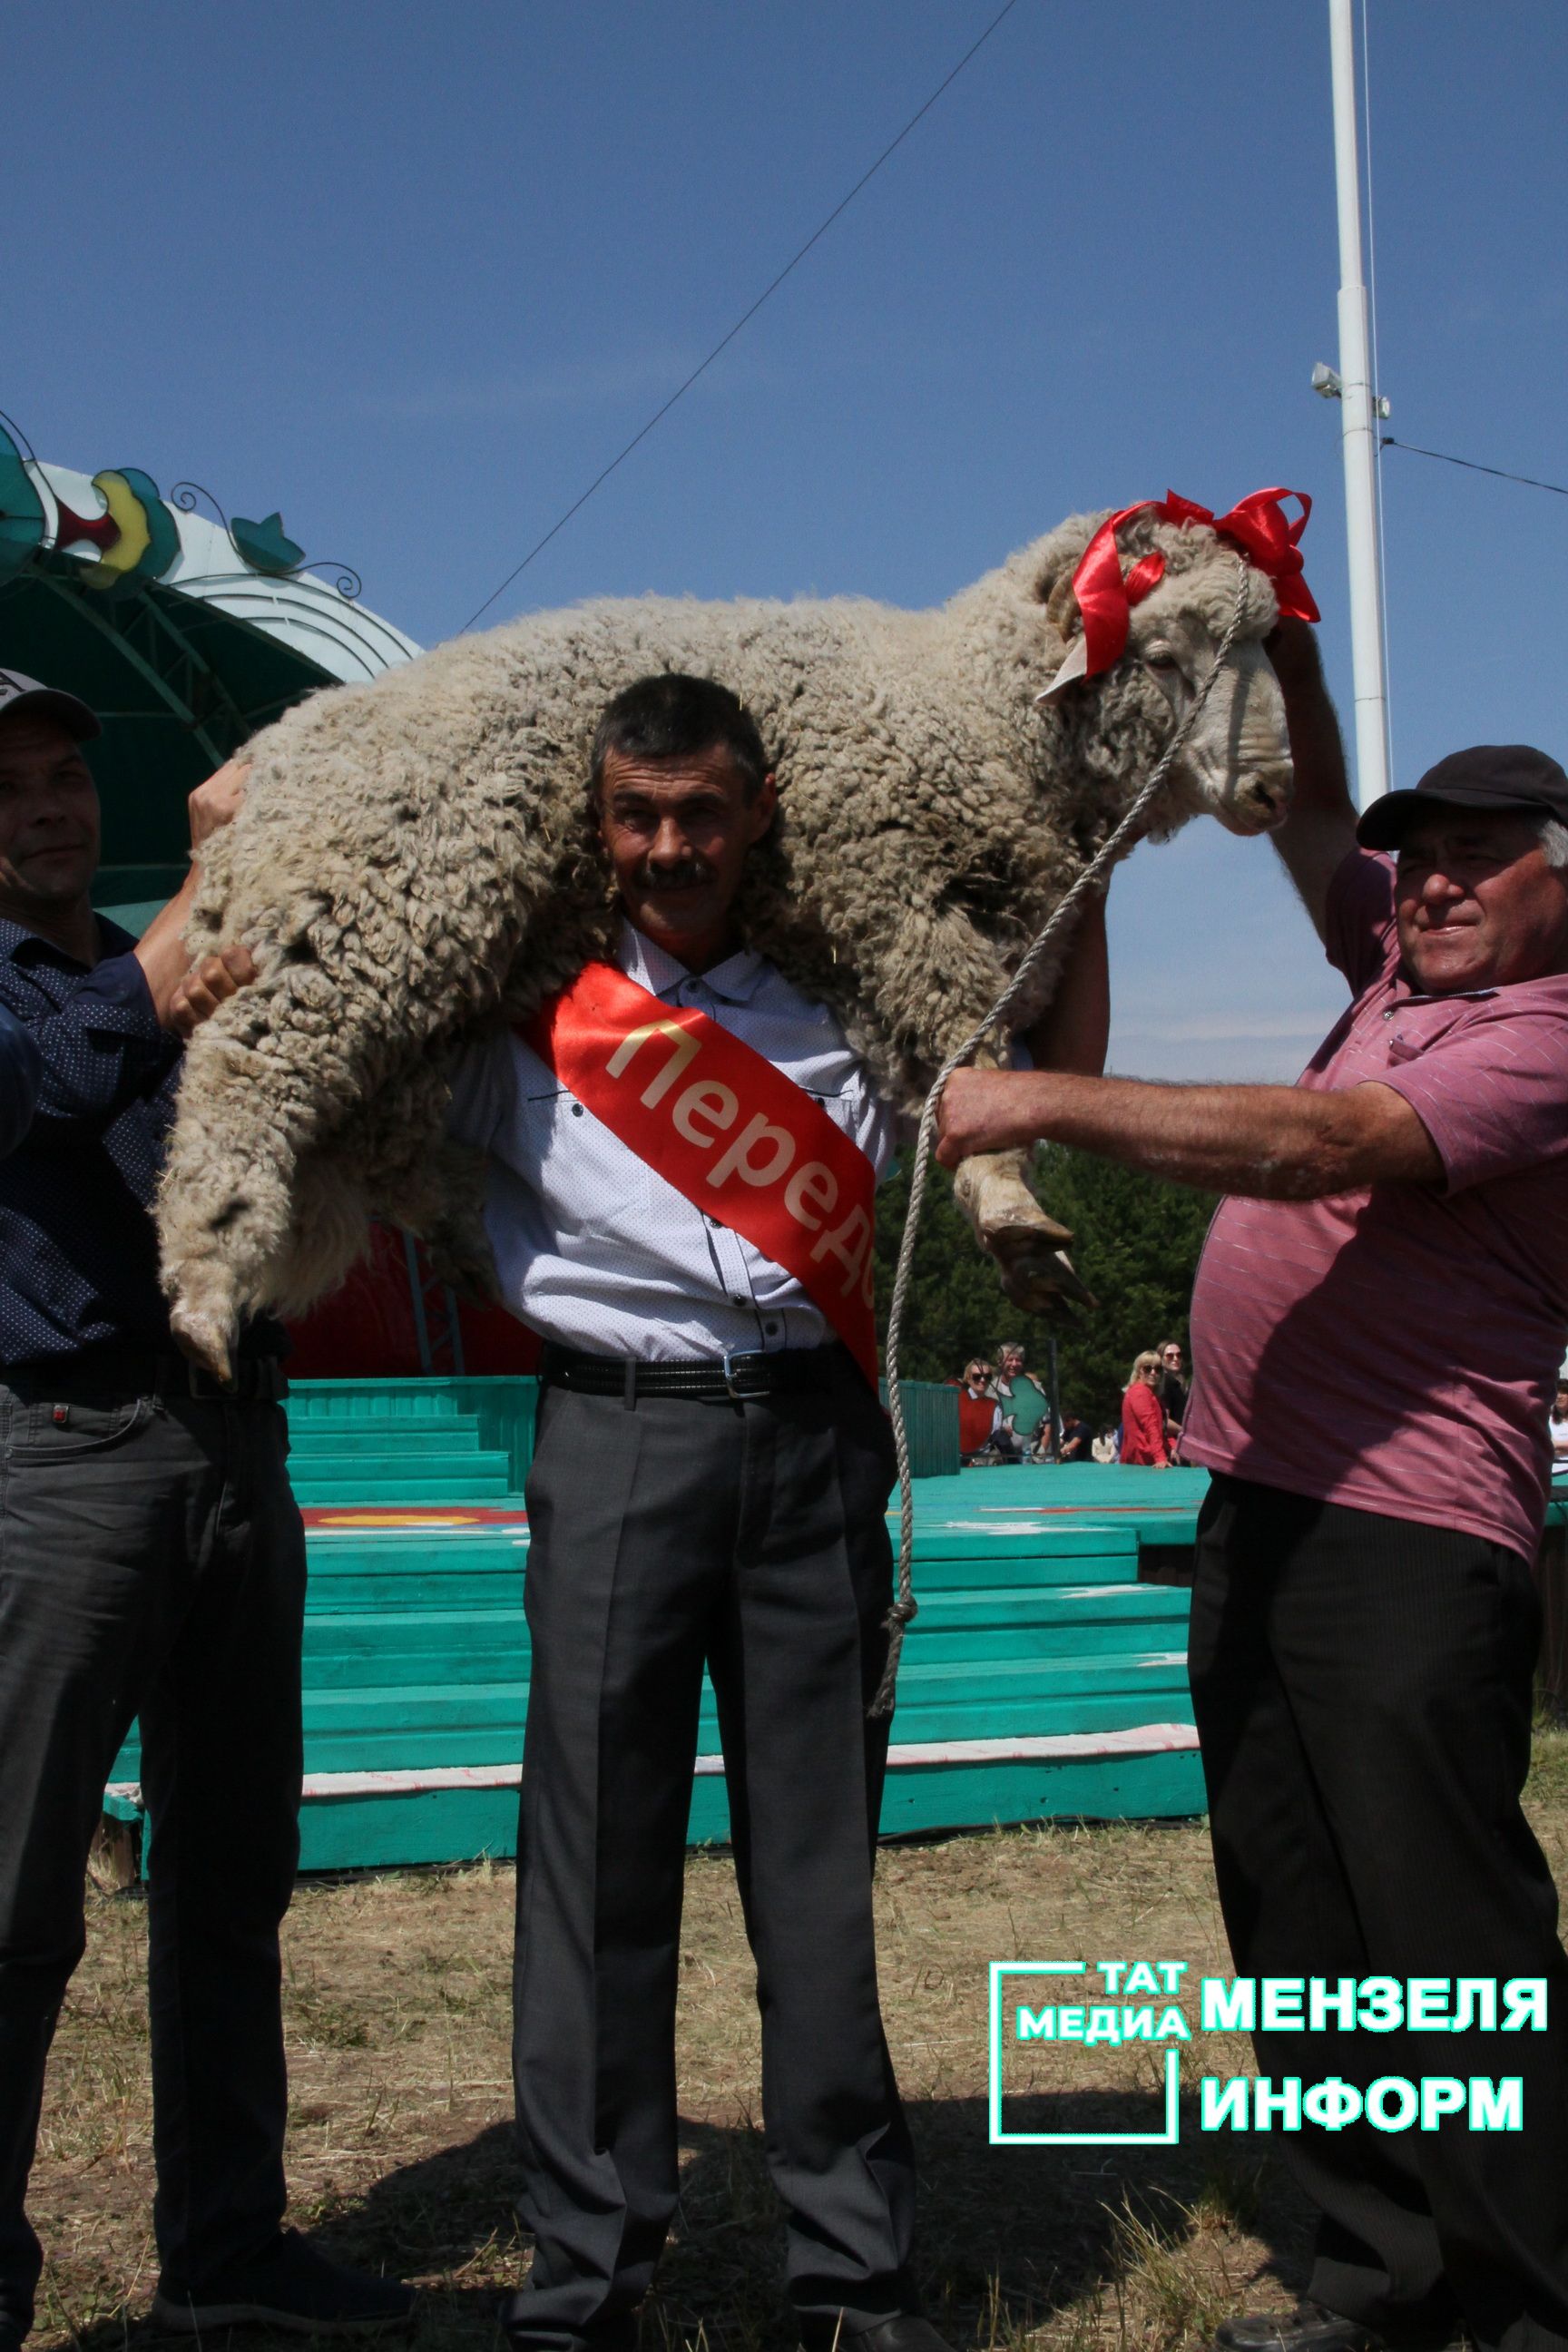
point(1557, 489)
point(746, 316)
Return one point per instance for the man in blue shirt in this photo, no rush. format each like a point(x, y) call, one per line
point(155, 1567)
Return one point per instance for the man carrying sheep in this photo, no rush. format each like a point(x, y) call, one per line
point(1378, 1318)
point(683, 1152)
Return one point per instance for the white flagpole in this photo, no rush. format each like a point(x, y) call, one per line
point(1358, 425)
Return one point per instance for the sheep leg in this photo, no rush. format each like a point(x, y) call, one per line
point(1010, 1225)
point(1027, 1244)
point(935, 961)
point(227, 1206)
point(258, 1140)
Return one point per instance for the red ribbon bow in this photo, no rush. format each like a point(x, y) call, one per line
point(1255, 524)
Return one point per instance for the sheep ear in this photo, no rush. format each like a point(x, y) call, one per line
point(1061, 607)
point(1075, 666)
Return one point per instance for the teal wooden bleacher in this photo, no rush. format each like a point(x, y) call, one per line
point(1040, 1678)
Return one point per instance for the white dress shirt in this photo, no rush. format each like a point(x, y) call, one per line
point(593, 1249)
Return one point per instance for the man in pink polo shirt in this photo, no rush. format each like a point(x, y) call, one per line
point(1377, 1323)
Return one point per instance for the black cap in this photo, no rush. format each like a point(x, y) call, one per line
point(1502, 777)
point(19, 693)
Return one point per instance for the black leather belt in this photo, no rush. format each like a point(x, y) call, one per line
point(112, 1372)
point(738, 1376)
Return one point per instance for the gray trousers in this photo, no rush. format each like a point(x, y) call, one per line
point(151, 1564)
point(751, 1537)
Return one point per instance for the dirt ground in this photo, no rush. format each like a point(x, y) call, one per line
point(397, 2011)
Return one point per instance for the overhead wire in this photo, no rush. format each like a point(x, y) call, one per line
point(746, 316)
point(1472, 465)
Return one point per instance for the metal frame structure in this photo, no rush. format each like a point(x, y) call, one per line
point(190, 690)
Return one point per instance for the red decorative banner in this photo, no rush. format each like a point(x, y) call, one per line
point(734, 1135)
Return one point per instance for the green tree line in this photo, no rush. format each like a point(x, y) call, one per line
point(1136, 1246)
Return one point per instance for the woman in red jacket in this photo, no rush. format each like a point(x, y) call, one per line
point(979, 1414)
point(1143, 1416)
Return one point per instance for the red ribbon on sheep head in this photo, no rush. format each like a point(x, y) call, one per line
point(1257, 524)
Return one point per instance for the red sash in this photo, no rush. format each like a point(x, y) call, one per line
point(734, 1135)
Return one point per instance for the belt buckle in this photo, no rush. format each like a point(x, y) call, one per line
point(731, 1357)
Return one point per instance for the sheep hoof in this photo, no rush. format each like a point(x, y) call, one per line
point(1037, 1278)
point(206, 1340)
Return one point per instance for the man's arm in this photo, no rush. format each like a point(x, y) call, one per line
point(1319, 832)
point(1275, 1144)
point(1074, 1031)
point(109, 1043)
point(160, 950)
point(97, 1051)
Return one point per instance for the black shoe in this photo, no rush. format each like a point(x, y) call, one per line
point(616, 2333)
point(907, 2333)
point(291, 2285)
point(1309, 2328)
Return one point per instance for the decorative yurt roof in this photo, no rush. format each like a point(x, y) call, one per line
point(185, 629)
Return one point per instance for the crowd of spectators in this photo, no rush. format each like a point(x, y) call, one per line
point(1005, 1412)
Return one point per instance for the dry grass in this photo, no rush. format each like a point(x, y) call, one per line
point(397, 2004)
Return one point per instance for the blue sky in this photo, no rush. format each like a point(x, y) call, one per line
point(414, 274)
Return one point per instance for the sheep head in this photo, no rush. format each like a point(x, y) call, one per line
point(1235, 763)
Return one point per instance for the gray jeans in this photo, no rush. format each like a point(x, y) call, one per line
point(151, 1564)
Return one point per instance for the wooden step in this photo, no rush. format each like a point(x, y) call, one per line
point(453, 1433)
point(1081, 1560)
point(351, 1833)
point(484, 1479)
point(336, 1464)
point(1022, 1575)
point(389, 1594)
point(460, 1646)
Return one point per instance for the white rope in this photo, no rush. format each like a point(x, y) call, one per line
point(904, 1606)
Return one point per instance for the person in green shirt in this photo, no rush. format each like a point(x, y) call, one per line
point(1026, 1403)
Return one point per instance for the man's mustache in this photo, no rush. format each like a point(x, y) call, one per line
point(691, 873)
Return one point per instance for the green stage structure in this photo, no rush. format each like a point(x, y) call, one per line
point(1045, 1675)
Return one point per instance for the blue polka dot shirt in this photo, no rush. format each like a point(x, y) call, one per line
point(21, 1074)
point(78, 1254)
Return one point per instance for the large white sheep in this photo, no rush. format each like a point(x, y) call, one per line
point(415, 859)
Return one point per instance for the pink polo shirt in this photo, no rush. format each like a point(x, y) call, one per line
point(1395, 1349)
